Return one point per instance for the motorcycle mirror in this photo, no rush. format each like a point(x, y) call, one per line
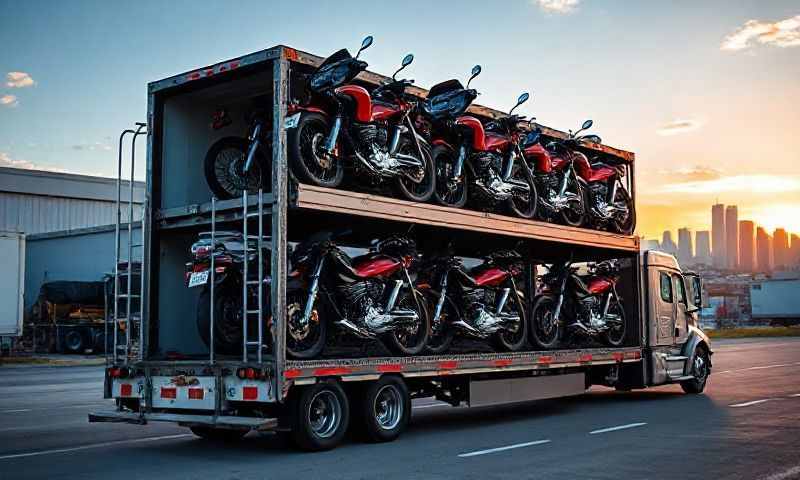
point(406, 62)
point(520, 100)
point(587, 124)
point(476, 70)
point(364, 44)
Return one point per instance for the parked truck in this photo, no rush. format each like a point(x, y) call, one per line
point(12, 288)
point(776, 301)
point(160, 369)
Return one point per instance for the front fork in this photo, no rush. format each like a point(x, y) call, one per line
point(312, 292)
point(333, 136)
point(437, 312)
point(458, 169)
point(255, 140)
point(560, 302)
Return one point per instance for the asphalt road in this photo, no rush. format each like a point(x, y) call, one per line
point(746, 426)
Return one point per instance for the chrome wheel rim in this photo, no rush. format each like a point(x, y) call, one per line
point(699, 367)
point(324, 414)
point(388, 407)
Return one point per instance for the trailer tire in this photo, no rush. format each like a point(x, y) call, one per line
point(701, 368)
point(74, 342)
point(383, 410)
point(320, 415)
point(218, 434)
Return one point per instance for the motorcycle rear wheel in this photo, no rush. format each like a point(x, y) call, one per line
point(524, 207)
point(303, 345)
point(227, 318)
point(410, 341)
point(545, 331)
point(627, 226)
point(616, 336)
point(444, 159)
point(506, 340)
point(422, 191)
point(309, 162)
point(224, 165)
point(573, 217)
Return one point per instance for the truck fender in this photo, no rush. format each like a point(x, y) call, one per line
point(696, 337)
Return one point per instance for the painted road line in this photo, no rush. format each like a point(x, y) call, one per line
point(795, 395)
point(85, 405)
point(431, 405)
point(19, 410)
point(618, 427)
point(94, 445)
point(503, 449)
point(793, 472)
point(759, 367)
point(753, 402)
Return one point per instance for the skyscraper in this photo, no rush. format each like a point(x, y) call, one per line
point(667, 245)
point(780, 249)
point(763, 247)
point(747, 247)
point(794, 250)
point(732, 236)
point(718, 234)
point(685, 250)
point(702, 254)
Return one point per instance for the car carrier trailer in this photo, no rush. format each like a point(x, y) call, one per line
point(160, 370)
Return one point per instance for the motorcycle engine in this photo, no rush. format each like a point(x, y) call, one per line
point(359, 297)
point(369, 135)
point(490, 185)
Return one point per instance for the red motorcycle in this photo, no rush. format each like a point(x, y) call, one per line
point(574, 189)
point(373, 133)
point(578, 305)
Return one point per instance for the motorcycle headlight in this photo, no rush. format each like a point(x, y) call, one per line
point(331, 77)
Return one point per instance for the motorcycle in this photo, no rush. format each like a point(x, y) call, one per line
point(230, 253)
point(578, 305)
point(578, 191)
point(374, 132)
point(482, 302)
point(373, 296)
point(235, 164)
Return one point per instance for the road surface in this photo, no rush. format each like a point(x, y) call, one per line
point(746, 426)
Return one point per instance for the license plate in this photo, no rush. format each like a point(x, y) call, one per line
point(198, 278)
point(292, 121)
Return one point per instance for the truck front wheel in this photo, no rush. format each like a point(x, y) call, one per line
point(320, 416)
point(384, 410)
point(701, 368)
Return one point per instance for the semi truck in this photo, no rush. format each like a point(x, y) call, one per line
point(160, 370)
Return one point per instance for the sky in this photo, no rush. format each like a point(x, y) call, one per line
point(706, 93)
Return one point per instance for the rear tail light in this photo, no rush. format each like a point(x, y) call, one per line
point(119, 372)
point(195, 393)
point(250, 374)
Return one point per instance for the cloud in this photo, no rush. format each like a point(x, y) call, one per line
point(92, 147)
point(558, 6)
point(19, 80)
point(691, 174)
point(752, 184)
point(8, 101)
point(7, 161)
point(783, 33)
point(678, 126)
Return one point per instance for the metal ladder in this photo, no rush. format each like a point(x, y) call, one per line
point(123, 343)
point(248, 283)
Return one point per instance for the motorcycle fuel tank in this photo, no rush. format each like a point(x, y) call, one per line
point(383, 111)
point(601, 174)
point(475, 126)
point(361, 97)
point(597, 285)
point(490, 277)
point(382, 266)
point(496, 142)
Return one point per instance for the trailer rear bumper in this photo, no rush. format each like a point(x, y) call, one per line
point(238, 423)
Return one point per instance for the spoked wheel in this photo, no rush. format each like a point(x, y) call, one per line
point(512, 340)
point(417, 186)
point(224, 168)
point(310, 161)
point(574, 214)
point(615, 335)
point(410, 340)
point(627, 222)
point(227, 318)
point(524, 205)
point(319, 417)
point(701, 369)
point(385, 409)
point(303, 341)
point(447, 191)
point(545, 329)
point(442, 333)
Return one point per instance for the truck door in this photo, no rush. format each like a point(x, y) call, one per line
point(663, 309)
point(681, 309)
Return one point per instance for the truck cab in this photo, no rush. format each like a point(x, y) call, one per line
point(676, 349)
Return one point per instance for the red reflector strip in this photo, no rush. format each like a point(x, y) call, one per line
point(393, 367)
point(169, 392)
point(448, 365)
point(618, 356)
point(585, 358)
point(249, 393)
point(292, 373)
point(545, 360)
point(327, 371)
point(126, 389)
point(636, 355)
point(196, 394)
point(502, 362)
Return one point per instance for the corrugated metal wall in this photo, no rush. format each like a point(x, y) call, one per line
point(32, 214)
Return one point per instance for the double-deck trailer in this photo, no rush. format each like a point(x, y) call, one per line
point(161, 371)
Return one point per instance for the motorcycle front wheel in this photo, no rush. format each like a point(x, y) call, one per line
point(227, 318)
point(508, 340)
point(447, 192)
point(410, 340)
point(224, 168)
point(615, 335)
point(545, 329)
point(575, 213)
point(307, 156)
point(628, 224)
point(524, 206)
point(304, 341)
point(409, 189)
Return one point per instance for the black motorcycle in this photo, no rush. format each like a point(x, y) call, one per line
point(371, 296)
point(229, 257)
point(483, 302)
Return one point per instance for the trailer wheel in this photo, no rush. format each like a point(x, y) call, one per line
point(320, 416)
point(384, 410)
point(218, 434)
point(74, 341)
point(700, 371)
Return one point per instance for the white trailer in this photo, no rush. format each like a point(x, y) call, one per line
point(12, 283)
